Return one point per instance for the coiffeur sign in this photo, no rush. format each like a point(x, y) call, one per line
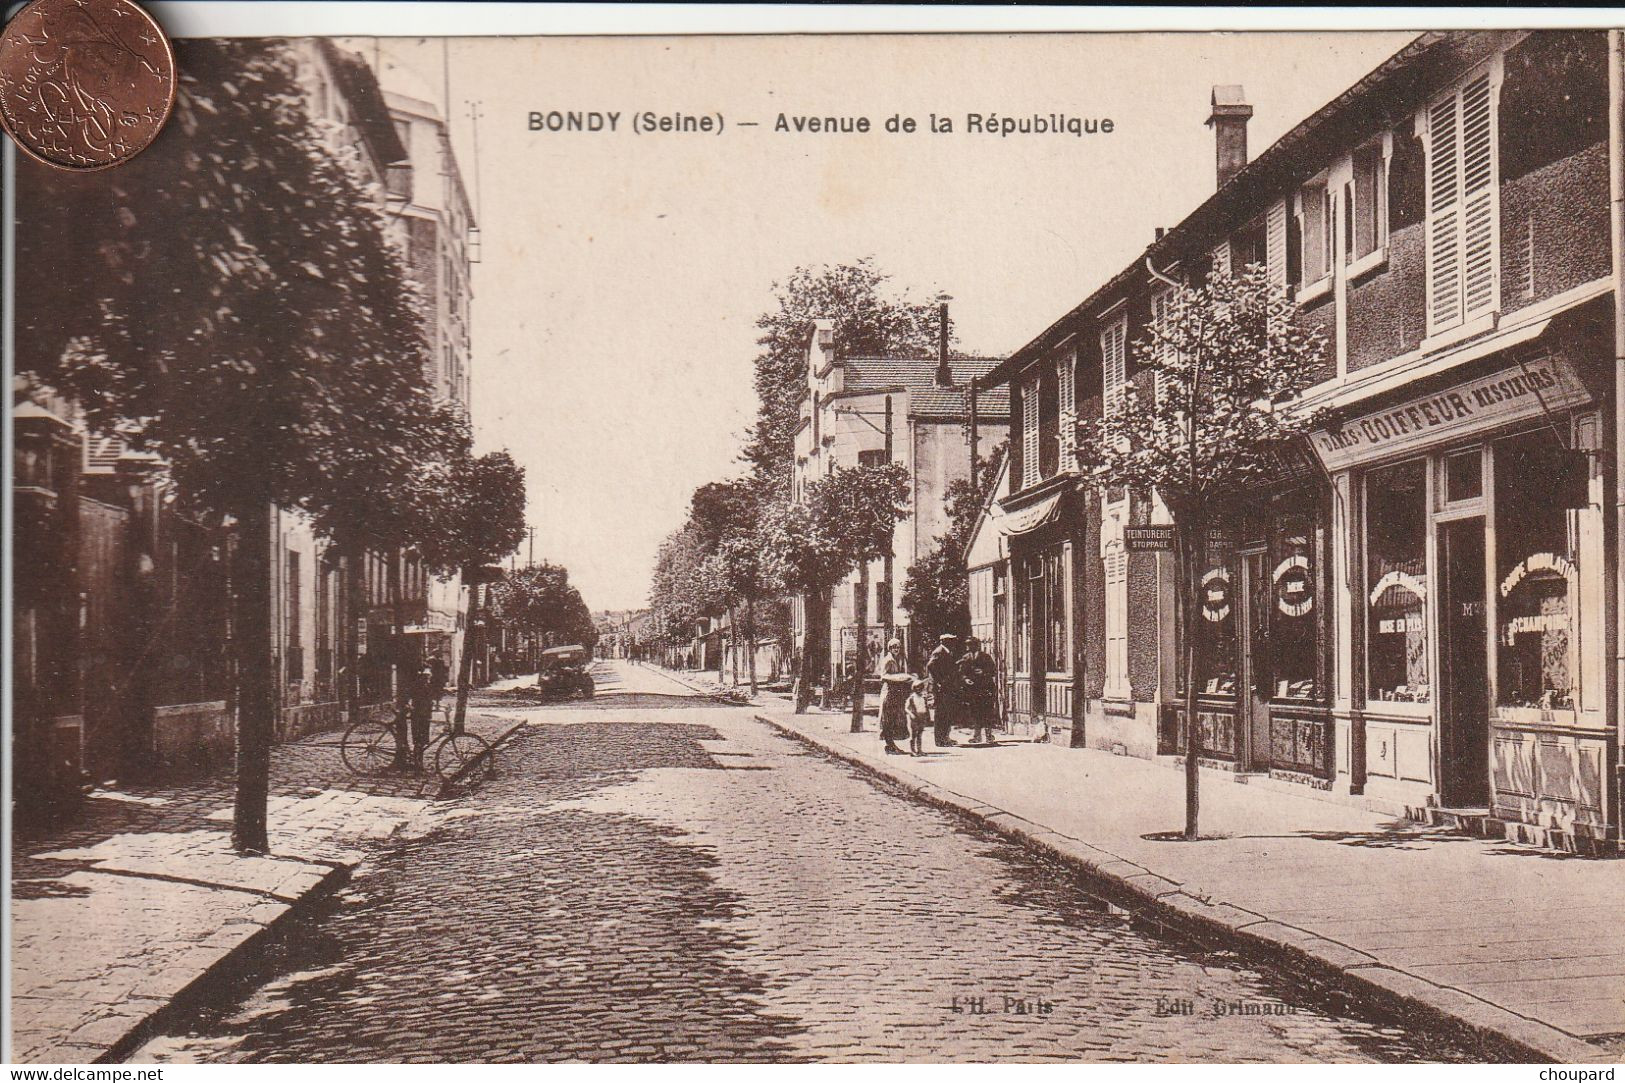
point(1513, 394)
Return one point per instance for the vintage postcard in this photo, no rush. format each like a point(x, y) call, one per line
point(912, 547)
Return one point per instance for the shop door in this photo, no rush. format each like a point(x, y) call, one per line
point(1464, 725)
point(1252, 678)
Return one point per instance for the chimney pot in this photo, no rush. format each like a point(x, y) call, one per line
point(1229, 123)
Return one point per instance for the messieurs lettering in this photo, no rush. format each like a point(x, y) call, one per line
point(1446, 408)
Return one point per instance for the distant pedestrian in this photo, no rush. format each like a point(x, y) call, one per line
point(895, 681)
point(421, 700)
point(976, 672)
point(946, 696)
point(918, 710)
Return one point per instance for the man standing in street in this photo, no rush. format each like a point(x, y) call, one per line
point(981, 693)
point(943, 669)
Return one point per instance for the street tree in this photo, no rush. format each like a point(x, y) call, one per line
point(230, 298)
point(847, 520)
point(540, 601)
point(1205, 431)
point(478, 519)
point(681, 590)
point(870, 319)
point(936, 592)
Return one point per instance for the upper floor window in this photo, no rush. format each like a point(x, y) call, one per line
point(1249, 247)
point(1461, 205)
point(1314, 218)
point(1366, 222)
point(1114, 361)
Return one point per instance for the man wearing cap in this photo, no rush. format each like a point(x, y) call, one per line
point(943, 668)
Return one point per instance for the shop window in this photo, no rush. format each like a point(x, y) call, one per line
point(1396, 517)
point(1294, 620)
point(1056, 657)
point(1023, 622)
point(1217, 627)
point(1536, 575)
point(1463, 476)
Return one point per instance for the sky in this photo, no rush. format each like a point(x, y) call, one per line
point(622, 272)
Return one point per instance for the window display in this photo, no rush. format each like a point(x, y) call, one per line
point(1536, 575)
point(1294, 620)
point(1217, 625)
point(1397, 584)
point(1055, 637)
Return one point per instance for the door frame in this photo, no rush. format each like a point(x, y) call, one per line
point(1252, 710)
point(1445, 713)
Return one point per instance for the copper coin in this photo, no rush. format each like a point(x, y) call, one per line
point(84, 84)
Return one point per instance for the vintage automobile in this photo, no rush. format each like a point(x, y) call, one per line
point(563, 673)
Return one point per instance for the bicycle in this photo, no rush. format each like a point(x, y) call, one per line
point(370, 747)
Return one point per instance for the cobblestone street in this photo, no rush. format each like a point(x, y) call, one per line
point(657, 877)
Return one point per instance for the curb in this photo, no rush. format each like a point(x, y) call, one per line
point(1190, 912)
point(194, 993)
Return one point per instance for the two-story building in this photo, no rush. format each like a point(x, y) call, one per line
point(867, 411)
point(1419, 610)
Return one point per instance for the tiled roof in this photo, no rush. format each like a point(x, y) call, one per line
point(919, 376)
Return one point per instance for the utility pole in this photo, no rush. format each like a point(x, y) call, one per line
point(891, 591)
point(975, 443)
point(530, 557)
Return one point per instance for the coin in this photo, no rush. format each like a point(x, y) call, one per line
point(84, 84)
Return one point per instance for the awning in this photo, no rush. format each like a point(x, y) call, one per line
point(1033, 516)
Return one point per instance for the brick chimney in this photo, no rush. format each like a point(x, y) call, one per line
point(945, 375)
point(1229, 123)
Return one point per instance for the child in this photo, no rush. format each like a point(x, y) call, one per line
point(919, 717)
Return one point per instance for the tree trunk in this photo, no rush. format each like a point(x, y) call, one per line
point(860, 657)
point(143, 603)
point(256, 681)
point(1189, 542)
point(733, 638)
point(350, 687)
point(403, 680)
point(465, 664)
point(750, 642)
point(814, 645)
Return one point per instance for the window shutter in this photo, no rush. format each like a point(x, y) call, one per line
point(1029, 431)
point(1221, 260)
point(1275, 244)
point(102, 454)
point(1113, 365)
point(1461, 206)
point(1064, 371)
point(1478, 198)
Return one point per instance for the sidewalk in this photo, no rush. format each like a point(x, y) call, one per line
point(134, 908)
point(1526, 944)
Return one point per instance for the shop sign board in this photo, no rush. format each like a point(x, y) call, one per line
point(1512, 394)
point(1148, 539)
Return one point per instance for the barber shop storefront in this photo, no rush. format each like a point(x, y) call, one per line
point(1468, 527)
point(1261, 695)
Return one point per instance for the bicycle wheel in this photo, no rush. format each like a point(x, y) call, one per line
point(368, 747)
point(456, 753)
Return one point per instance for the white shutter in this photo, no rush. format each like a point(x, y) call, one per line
point(1221, 260)
point(102, 453)
point(1478, 198)
point(1029, 432)
point(1461, 206)
point(1113, 363)
point(1275, 244)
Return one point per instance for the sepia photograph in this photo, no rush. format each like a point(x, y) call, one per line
point(979, 547)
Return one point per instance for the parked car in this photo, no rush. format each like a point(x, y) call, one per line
point(563, 673)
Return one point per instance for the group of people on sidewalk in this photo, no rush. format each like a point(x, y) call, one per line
point(958, 689)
